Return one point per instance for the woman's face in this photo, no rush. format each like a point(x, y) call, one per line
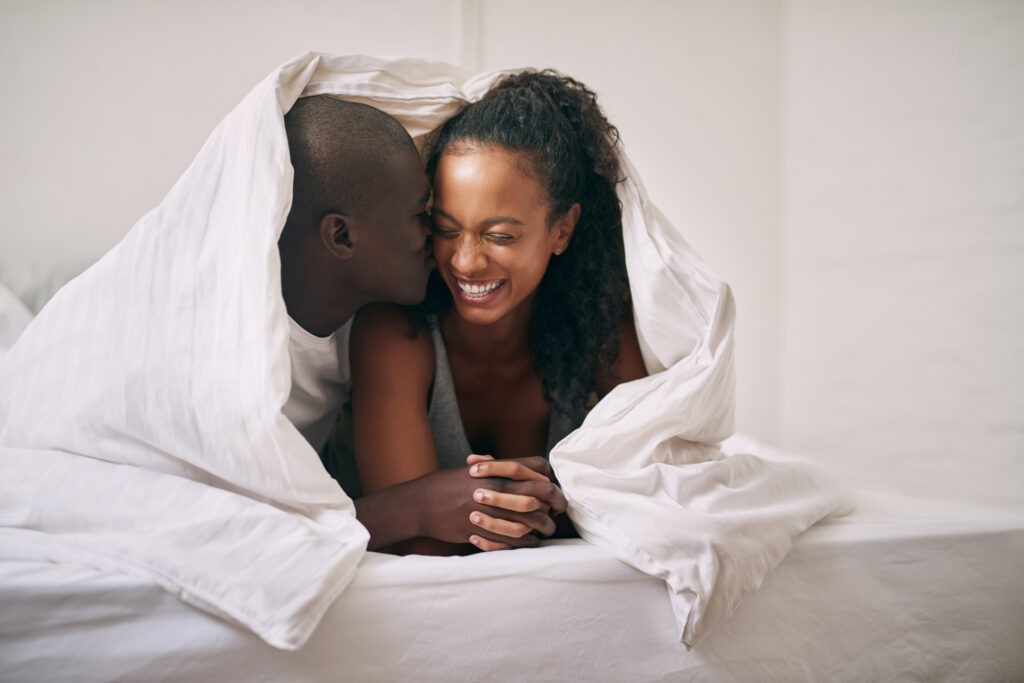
point(492, 240)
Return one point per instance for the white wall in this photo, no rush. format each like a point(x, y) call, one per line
point(106, 102)
point(112, 99)
point(904, 244)
point(854, 169)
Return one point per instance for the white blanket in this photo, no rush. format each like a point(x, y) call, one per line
point(140, 414)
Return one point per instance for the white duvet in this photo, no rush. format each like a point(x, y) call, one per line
point(140, 412)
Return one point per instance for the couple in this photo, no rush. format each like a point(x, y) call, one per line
point(526, 319)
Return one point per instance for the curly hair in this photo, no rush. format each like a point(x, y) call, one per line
point(556, 123)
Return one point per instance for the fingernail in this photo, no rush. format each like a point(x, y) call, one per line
point(475, 518)
point(475, 469)
point(480, 496)
point(474, 540)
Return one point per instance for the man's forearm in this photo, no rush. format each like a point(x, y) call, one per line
point(390, 515)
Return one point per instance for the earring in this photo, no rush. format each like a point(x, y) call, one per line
point(558, 252)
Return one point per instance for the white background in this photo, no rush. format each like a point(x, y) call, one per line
point(854, 169)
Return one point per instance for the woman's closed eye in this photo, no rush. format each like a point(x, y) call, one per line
point(443, 232)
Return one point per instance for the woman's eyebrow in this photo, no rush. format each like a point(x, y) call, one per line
point(447, 215)
point(496, 220)
point(487, 222)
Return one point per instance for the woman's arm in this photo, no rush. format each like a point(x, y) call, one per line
point(405, 495)
point(391, 376)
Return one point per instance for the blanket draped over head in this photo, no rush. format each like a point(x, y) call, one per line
point(140, 412)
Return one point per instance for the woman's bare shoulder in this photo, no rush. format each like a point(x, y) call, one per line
point(392, 338)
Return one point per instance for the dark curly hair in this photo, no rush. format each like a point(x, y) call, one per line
point(556, 123)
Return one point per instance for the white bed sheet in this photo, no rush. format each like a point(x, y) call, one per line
point(902, 589)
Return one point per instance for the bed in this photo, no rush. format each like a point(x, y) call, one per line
point(161, 520)
point(902, 589)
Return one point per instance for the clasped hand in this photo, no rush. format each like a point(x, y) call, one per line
point(503, 504)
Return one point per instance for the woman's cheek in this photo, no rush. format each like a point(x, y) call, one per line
point(442, 249)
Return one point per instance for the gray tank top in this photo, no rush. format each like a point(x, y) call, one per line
point(446, 422)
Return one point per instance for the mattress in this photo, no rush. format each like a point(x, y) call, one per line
point(902, 589)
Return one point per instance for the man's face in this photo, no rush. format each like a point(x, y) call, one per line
point(394, 252)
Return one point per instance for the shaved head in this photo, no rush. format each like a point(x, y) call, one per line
point(357, 228)
point(341, 152)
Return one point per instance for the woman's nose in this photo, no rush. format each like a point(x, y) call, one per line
point(468, 257)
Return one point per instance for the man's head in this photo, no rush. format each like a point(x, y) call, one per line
point(357, 229)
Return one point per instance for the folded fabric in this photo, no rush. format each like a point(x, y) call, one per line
point(644, 475)
point(141, 420)
point(169, 357)
point(274, 572)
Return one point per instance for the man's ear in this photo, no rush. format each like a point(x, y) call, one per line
point(564, 227)
point(337, 235)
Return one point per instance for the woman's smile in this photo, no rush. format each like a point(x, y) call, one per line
point(478, 291)
point(493, 231)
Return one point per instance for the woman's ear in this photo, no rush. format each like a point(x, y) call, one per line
point(337, 235)
point(564, 227)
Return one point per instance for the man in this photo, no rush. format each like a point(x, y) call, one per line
point(357, 233)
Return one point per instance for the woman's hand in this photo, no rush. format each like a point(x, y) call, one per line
point(534, 492)
point(454, 507)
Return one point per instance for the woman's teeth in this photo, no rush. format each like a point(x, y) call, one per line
point(479, 291)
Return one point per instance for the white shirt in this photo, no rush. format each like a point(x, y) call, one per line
point(321, 381)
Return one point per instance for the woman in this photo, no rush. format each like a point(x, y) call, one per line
point(528, 316)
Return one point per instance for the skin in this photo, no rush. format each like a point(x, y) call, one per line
point(491, 228)
point(493, 233)
point(397, 462)
point(347, 260)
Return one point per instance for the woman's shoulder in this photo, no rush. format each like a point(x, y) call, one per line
point(395, 337)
